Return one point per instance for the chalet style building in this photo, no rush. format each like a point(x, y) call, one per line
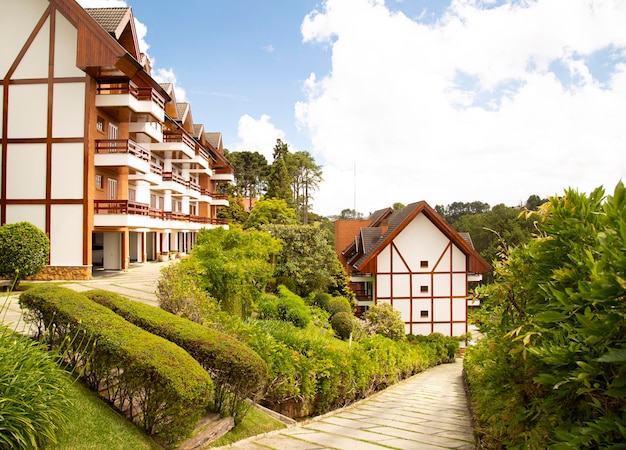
point(413, 260)
point(93, 150)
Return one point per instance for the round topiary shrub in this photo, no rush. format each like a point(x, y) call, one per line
point(24, 250)
point(342, 323)
point(339, 304)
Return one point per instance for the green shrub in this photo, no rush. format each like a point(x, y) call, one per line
point(551, 371)
point(237, 372)
point(178, 292)
point(339, 304)
point(34, 404)
point(382, 319)
point(153, 381)
point(343, 324)
point(287, 307)
point(24, 250)
point(319, 299)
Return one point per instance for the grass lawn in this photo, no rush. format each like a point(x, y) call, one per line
point(255, 422)
point(94, 425)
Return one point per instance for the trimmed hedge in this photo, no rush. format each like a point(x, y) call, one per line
point(154, 382)
point(237, 371)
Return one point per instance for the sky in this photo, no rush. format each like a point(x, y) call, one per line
point(406, 100)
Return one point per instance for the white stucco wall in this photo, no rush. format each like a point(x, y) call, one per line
point(35, 214)
point(65, 49)
point(34, 64)
point(18, 20)
point(67, 171)
point(68, 110)
point(66, 235)
point(26, 174)
point(28, 107)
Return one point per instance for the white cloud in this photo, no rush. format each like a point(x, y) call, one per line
point(269, 48)
point(257, 135)
point(468, 107)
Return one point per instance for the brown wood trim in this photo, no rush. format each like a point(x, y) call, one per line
point(29, 41)
point(44, 201)
point(3, 163)
point(45, 80)
point(45, 140)
point(87, 232)
point(50, 117)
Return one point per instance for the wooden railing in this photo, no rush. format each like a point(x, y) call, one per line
point(170, 176)
point(121, 207)
point(155, 168)
point(179, 136)
point(202, 152)
point(122, 146)
point(129, 87)
point(141, 209)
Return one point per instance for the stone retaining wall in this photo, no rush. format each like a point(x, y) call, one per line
point(50, 273)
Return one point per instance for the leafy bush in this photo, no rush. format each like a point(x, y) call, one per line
point(178, 292)
point(153, 381)
point(287, 307)
point(34, 404)
point(343, 324)
point(237, 372)
point(382, 319)
point(339, 304)
point(24, 250)
point(554, 355)
point(319, 299)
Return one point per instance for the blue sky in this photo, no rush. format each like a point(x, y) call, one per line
point(408, 100)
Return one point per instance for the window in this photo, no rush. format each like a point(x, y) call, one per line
point(424, 314)
point(112, 185)
point(114, 131)
point(131, 194)
point(98, 181)
point(100, 124)
point(423, 289)
point(423, 263)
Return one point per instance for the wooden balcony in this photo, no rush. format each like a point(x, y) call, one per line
point(128, 94)
point(129, 146)
point(127, 207)
point(170, 176)
point(121, 207)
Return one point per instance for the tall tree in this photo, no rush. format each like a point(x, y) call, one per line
point(279, 180)
point(251, 171)
point(305, 178)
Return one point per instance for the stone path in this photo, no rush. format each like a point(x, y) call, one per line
point(427, 411)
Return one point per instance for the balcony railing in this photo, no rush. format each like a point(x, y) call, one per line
point(170, 176)
point(155, 168)
point(121, 207)
point(130, 88)
point(202, 152)
point(122, 146)
point(179, 136)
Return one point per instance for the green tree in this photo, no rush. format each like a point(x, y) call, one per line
point(534, 202)
point(350, 214)
point(24, 250)
point(306, 258)
point(279, 178)
point(235, 212)
point(454, 211)
point(251, 171)
point(271, 211)
point(234, 266)
point(553, 359)
point(305, 178)
point(493, 229)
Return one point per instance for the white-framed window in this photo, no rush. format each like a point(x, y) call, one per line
point(98, 181)
point(100, 124)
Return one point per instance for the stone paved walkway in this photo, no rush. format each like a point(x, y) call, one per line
point(427, 411)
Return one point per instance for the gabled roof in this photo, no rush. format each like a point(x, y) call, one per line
point(400, 219)
point(119, 23)
point(215, 139)
point(198, 129)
